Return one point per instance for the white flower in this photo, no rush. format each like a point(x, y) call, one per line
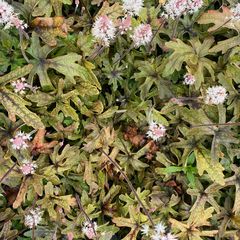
point(145, 229)
point(104, 30)
point(169, 236)
point(28, 167)
point(132, 7)
point(33, 218)
point(6, 11)
point(194, 5)
point(156, 131)
point(20, 85)
point(189, 79)
point(176, 8)
point(142, 35)
point(236, 11)
point(90, 229)
point(19, 141)
point(156, 237)
point(216, 95)
point(160, 228)
point(8, 17)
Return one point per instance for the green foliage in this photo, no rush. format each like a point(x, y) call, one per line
point(91, 112)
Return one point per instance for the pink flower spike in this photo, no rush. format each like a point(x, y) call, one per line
point(156, 131)
point(125, 24)
point(104, 30)
point(19, 141)
point(28, 167)
point(142, 35)
point(90, 230)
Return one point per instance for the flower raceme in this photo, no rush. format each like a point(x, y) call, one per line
point(236, 11)
point(104, 30)
point(176, 8)
point(28, 167)
point(156, 131)
point(19, 141)
point(20, 85)
point(142, 35)
point(90, 229)
point(124, 24)
point(33, 218)
point(9, 18)
point(189, 79)
point(132, 7)
point(216, 95)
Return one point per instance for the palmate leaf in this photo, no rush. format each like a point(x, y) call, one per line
point(194, 56)
point(114, 11)
point(15, 105)
point(213, 168)
point(48, 28)
point(226, 44)
point(219, 19)
point(50, 200)
point(68, 65)
point(45, 7)
point(16, 74)
point(149, 74)
point(136, 217)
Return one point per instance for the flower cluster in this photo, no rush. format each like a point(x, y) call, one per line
point(142, 35)
point(20, 85)
point(104, 30)
point(89, 229)
point(28, 167)
point(176, 8)
point(156, 131)
point(132, 7)
point(216, 95)
point(33, 218)
point(19, 141)
point(236, 11)
point(189, 79)
point(158, 233)
point(9, 18)
point(124, 24)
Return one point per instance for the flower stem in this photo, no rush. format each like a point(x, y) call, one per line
point(85, 214)
point(130, 185)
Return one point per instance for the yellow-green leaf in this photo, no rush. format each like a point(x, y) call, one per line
point(16, 105)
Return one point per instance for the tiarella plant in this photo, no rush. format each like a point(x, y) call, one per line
point(119, 119)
